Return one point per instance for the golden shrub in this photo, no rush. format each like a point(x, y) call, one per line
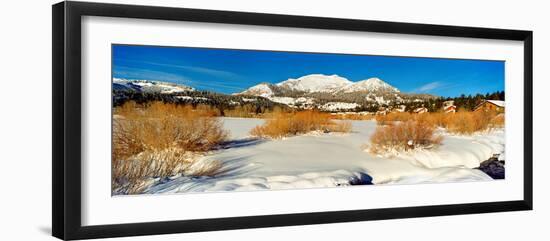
point(404, 136)
point(244, 111)
point(498, 120)
point(392, 117)
point(289, 124)
point(352, 116)
point(462, 122)
point(465, 122)
point(151, 140)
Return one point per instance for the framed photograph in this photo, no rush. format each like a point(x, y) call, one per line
point(170, 120)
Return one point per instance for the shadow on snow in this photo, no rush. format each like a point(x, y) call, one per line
point(241, 143)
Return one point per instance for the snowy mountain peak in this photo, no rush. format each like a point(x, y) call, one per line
point(319, 83)
point(370, 85)
point(262, 89)
point(316, 83)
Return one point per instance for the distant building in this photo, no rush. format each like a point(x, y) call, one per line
point(491, 105)
point(420, 110)
point(449, 107)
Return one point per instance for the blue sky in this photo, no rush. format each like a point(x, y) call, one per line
point(230, 71)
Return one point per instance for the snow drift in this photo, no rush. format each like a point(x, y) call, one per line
point(330, 160)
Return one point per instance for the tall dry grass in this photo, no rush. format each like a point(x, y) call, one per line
point(392, 117)
point(290, 124)
point(159, 139)
point(467, 122)
point(244, 111)
point(405, 135)
point(405, 131)
point(352, 116)
point(498, 120)
point(462, 122)
point(207, 110)
point(131, 176)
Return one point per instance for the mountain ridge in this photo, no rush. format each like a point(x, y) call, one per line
point(149, 86)
point(325, 92)
point(320, 83)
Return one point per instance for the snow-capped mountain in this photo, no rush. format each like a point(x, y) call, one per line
point(327, 92)
point(149, 86)
point(368, 85)
point(316, 91)
point(316, 83)
point(319, 83)
point(263, 90)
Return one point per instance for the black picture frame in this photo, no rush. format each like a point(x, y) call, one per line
point(66, 128)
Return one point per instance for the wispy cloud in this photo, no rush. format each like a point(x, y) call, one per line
point(436, 85)
point(208, 71)
point(139, 73)
point(203, 70)
point(430, 86)
point(147, 74)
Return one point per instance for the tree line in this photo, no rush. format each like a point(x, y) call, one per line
point(260, 104)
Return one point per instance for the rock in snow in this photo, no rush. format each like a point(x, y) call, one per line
point(493, 167)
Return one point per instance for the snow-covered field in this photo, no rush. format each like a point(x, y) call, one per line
point(334, 159)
